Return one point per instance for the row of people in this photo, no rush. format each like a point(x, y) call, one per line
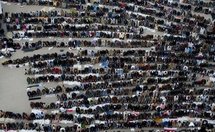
point(203, 24)
point(105, 125)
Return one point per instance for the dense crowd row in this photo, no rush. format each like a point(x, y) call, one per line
point(123, 23)
point(169, 77)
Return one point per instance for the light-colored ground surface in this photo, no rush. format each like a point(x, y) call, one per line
point(12, 91)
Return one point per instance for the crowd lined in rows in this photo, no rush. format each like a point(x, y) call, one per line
point(122, 23)
point(161, 74)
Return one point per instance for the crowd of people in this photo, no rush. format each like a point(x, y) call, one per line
point(123, 23)
point(155, 67)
